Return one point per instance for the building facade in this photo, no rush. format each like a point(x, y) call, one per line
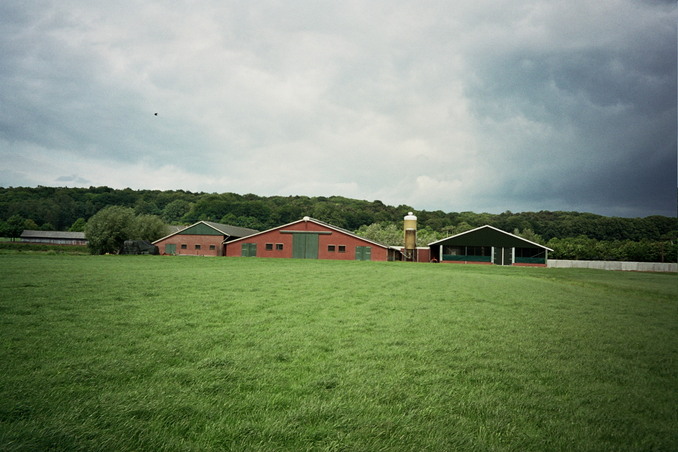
point(53, 237)
point(204, 238)
point(307, 239)
point(489, 245)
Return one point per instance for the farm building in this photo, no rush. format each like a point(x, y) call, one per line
point(53, 237)
point(308, 239)
point(489, 245)
point(421, 254)
point(204, 238)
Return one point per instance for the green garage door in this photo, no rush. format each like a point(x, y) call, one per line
point(248, 250)
point(305, 246)
point(363, 253)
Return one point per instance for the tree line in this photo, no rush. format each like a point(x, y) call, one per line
point(570, 233)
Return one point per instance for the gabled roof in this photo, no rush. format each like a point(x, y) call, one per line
point(481, 235)
point(224, 229)
point(232, 231)
point(318, 222)
point(57, 235)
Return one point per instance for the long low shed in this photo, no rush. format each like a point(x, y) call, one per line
point(53, 237)
point(489, 245)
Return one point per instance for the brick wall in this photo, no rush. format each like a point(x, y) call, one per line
point(209, 245)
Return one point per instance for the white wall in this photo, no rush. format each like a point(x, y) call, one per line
point(611, 265)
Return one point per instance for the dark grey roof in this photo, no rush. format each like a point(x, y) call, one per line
point(233, 231)
point(62, 235)
point(487, 235)
point(226, 229)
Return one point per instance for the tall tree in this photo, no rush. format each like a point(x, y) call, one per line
point(149, 227)
point(15, 226)
point(108, 229)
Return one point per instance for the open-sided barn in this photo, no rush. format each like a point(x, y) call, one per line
point(307, 239)
point(489, 245)
point(204, 238)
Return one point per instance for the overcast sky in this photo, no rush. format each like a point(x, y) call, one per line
point(487, 106)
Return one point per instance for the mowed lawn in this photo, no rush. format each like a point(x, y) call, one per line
point(159, 353)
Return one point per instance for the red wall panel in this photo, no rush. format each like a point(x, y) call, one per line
point(191, 241)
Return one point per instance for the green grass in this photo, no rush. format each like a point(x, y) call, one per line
point(7, 247)
point(159, 353)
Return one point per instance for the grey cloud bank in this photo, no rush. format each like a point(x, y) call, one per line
point(521, 105)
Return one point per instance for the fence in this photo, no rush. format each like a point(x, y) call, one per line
point(612, 265)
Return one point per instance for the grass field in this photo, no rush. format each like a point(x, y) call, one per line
point(160, 353)
point(8, 247)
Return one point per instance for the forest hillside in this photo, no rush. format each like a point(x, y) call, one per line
point(61, 208)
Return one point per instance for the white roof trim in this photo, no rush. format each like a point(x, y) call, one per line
point(491, 227)
point(184, 228)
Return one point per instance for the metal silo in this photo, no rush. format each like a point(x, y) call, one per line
point(410, 226)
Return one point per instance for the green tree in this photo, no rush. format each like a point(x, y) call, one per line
point(142, 207)
point(458, 229)
point(384, 233)
point(78, 226)
point(427, 235)
point(149, 227)
point(108, 229)
point(31, 225)
point(15, 226)
point(528, 234)
point(175, 210)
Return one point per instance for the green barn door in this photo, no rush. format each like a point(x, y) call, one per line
point(305, 246)
point(249, 250)
point(508, 256)
point(363, 253)
point(502, 256)
point(171, 248)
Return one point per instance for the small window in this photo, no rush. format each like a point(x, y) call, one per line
point(197, 247)
point(213, 247)
point(278, 246)
point(331, 248)
point(269, 247)
point(184, 246)
point(342, 248)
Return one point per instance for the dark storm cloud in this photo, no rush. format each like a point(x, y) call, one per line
point(601, 121)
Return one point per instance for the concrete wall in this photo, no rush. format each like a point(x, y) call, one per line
point(611, 265)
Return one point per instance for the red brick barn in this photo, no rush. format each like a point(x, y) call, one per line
point(307, 239)
point(203, 238)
